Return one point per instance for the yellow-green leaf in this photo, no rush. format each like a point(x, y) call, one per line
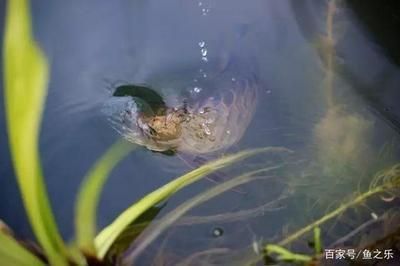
point(13, 254)
point(25, 77)
point(286, 255)
point(89, 194)
point(108, 235)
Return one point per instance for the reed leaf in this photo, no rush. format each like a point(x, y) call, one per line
point(89, 194)
point(12, 253)
point(25, 76)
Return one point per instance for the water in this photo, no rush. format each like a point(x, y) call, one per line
point(95, 47)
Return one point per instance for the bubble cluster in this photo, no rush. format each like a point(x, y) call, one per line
point(197, 89)
point(203, 50)
point(205, 11)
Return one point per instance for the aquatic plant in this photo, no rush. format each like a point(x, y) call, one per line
point(157, 229)
point(88, 197)
point(25, 78)
point(12, 253)
point(109, 234)
point(386, 181)
point(341, 138)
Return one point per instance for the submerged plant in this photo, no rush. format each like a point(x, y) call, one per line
point(107, 236)
point(342, 146)
point(173, 216)
point(384, 182)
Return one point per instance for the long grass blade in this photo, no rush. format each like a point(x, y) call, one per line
point(287, 255)
point(89, 194)
point(12, 253)
point(157, 229)
point(107, 236)
point(26, 76)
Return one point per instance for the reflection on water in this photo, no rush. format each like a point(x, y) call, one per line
point(267, 73)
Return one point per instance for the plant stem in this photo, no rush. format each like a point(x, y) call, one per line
point(331, 215)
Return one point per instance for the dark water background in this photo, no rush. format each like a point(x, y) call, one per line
point(92, 46)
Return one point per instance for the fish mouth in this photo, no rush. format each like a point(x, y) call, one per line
point(134, 119)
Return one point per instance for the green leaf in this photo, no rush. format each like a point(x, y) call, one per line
point(13, 254)
point(26, 76)
point(108, 235)
point(286, 255)
point(130, 233)
point(317, 241)
point(89, 194)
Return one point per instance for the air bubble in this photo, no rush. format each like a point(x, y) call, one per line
point(205, 11)
point(197, 89)
point(217, 232)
